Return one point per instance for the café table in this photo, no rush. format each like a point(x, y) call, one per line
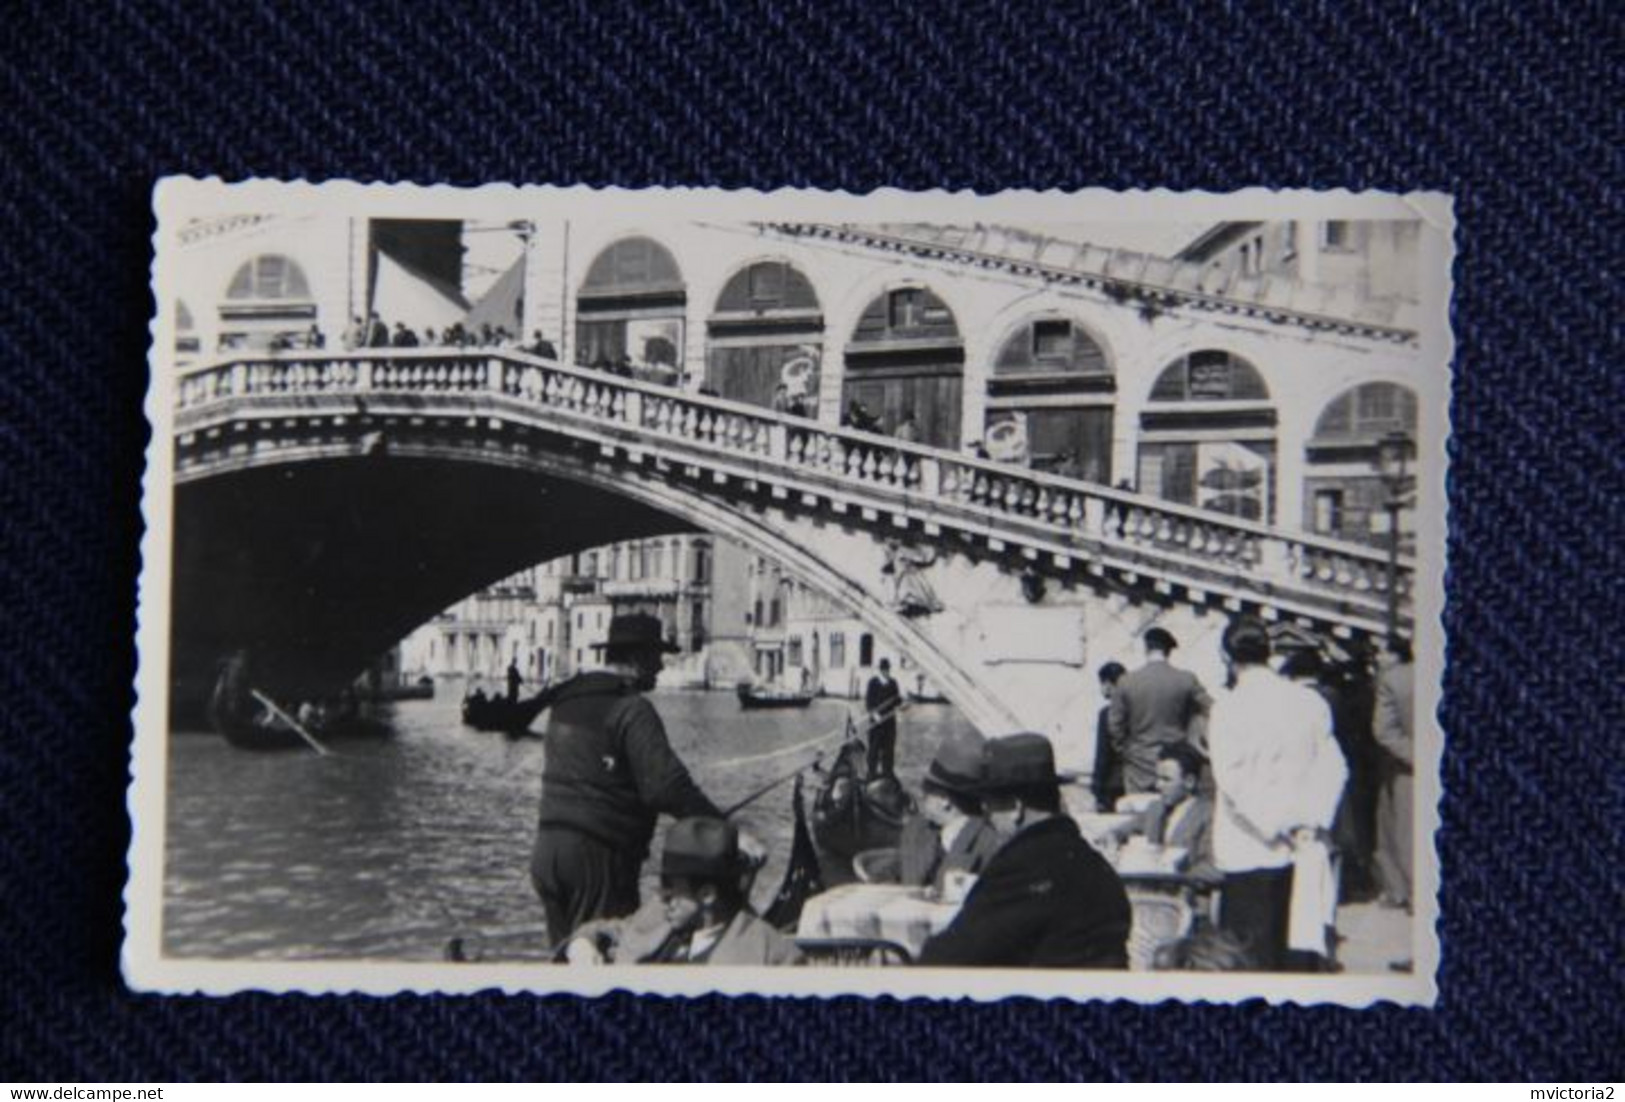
point(896, 913)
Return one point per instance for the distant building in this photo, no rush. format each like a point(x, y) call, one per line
point(549, 618)
point(800, 637)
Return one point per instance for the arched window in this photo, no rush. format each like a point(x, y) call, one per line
point(186, 338)
point(269, 277)
point(1366, 413)
point(1049, 400)
point(630, 312)
point(906, 357)
point(1344, 496)
point(632, 265)
point(1210, 377)
point(1207, 436)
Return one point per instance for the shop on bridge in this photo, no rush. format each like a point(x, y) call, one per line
point(629, 312)
point(765, 339)
point(906, 356)
point(1208, 437)
point(1050, 397)
point(1344, 493)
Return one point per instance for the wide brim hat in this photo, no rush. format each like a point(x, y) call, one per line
point(957, 766)
point(702, 847)
point(637, 630)
point(1025, 760)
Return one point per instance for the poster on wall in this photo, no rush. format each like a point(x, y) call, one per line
point(1232, 478)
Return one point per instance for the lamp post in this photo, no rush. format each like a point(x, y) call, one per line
point(1394, 453)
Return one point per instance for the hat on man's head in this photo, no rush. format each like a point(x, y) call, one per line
point(958, 764)
point(701, 847)
point(1160, 639)
point(1246, 639)
point(637, 630)
point(1019, 761)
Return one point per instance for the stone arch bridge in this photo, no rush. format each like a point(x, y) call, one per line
point(325, 504)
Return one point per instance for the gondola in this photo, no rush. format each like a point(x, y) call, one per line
point(249, 724)
point(501, 714)
point(852, 813)
point(755, 697)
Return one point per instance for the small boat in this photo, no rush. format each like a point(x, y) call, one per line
point(250, 720)
point(498, 713)
point(754, 697)
point(853, 813)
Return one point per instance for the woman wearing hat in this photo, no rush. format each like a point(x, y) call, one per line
point(950, 834)
point(703, 915)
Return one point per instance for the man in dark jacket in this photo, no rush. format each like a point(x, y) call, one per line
point(882, 699)
point(609, 774)
point(1046, 899)
point(1152, 707)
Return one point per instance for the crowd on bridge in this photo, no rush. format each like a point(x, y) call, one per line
point(1264, 793)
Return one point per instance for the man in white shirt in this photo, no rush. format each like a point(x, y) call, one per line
point(1278, 774)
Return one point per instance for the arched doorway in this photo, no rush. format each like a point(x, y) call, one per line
point(906, 356)
point(1343, 495)
point(1207, 437)
point(629, 312)
point(1052, 383)
point(767, 332)
point(268, 304)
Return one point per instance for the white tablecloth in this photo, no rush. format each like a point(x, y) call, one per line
point(890, 912)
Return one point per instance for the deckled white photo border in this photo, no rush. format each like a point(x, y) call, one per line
point(176, 199)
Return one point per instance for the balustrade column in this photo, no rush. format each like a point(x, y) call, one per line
point(632, 411)
point(493, 375)
point(778, 441)
point(930, 478)
point(363, 374)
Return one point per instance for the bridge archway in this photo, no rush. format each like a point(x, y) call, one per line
point(326, 559)
point(630, 311)
point(1052, 380)
point(766, 329)
point(1208, 436)
point(906, 356)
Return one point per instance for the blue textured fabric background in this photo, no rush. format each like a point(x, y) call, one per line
point(1514, 107)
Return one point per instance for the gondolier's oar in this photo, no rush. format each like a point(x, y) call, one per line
point(728, 813)
point(872, 719)
point(875, 718)
point(298, 728)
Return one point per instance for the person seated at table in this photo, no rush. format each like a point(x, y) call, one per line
point(1047, 899)
point(1181, 817)
point(950, 834)
point(702, 915)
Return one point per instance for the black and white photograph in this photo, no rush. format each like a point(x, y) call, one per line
point(792, 593)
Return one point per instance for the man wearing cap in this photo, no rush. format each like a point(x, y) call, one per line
point(703, 915)
point(1278, 775)
point(1046, 899)
point(950, 834)
point(1152, 707)
point(608, 775)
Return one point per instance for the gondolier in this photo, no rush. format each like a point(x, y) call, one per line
point(609, 774)
point(882, 699)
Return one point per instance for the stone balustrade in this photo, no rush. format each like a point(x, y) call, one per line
point(940, 488)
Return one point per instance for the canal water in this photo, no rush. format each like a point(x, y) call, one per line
point(388, 848)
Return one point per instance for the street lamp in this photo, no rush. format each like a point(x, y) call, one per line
point(1394, 454)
